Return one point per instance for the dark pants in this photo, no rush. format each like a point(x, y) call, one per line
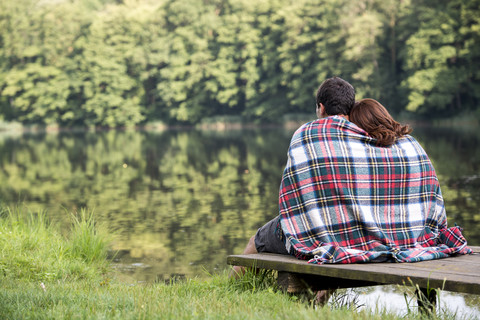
point(267, 240)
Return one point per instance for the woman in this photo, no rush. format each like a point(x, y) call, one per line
point(372, 117)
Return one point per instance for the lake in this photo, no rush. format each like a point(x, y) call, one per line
point(179, 201)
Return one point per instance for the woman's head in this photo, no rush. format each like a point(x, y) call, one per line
point(372, 117)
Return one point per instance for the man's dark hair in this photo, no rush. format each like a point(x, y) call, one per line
point(337, 95)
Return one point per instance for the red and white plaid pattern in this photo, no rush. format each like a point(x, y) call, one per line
point(343, 199)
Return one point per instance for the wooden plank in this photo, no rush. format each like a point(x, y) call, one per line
point(457, 274)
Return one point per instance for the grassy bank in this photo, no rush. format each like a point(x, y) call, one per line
point(48, 275)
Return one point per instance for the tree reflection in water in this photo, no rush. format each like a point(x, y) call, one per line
point(178, 201)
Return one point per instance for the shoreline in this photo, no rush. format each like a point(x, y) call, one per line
point(18, 128)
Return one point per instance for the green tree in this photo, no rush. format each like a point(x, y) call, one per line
point(440, 58)
point(111, 62)
point(268, 98)
point(301, 43)
point(235, 53)
point(363, 26)
point(38, 94)
point(182, 84)
point(38, 41)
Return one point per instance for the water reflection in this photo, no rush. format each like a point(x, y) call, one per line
point(180, 201)
point(392, 299)
point(455, 153)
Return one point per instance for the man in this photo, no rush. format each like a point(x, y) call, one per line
point(345, 199)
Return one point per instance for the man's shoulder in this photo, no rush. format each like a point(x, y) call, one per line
point(311, 128)
point(332, 132)
point(332, 126)
point(331, 121)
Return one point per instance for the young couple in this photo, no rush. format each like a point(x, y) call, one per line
point(357, 188)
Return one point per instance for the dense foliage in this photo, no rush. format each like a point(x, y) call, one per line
point(115, 63)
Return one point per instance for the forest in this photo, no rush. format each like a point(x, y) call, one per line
point(116, 63)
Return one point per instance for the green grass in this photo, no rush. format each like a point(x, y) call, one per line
point(32, 249)
point(216, 298)
point(47, 275)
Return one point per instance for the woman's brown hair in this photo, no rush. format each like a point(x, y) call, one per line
point(372, 117)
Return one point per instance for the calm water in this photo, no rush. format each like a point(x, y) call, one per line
point(179, 202)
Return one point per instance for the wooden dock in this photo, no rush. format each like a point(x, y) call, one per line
point(455, 274)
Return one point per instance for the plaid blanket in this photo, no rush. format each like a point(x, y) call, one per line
point(345, 200)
